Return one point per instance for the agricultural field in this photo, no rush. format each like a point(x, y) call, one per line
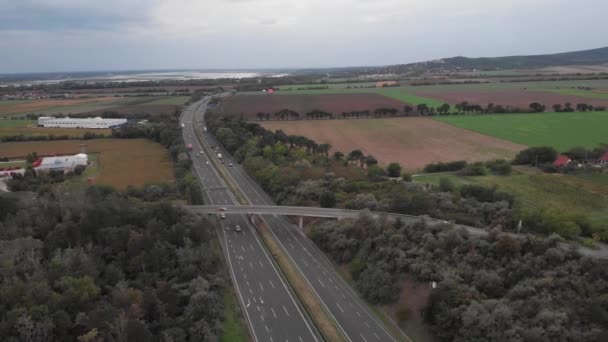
point(532, 189)
point(94, 106)
point(514, 98)
point(28, 128)
point(249, 106)
point(413, 142)
point(8, 108)
point(560, 130)
point(121, 162)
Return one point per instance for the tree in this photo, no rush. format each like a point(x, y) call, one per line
point(393, 170)
point(370, 160)
point(422, 108)
point(557, 107)
point(355, 155)
point(327, 200)
point(407, 109)
point(444, 108)
point(338, 155)
point(536, 156)
point(537, 107)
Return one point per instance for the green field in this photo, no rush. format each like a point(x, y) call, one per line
point(567, 193)
point(171, 100)
point(579, 92)
point(560, 130)
point(233, 329)
point(17, 123)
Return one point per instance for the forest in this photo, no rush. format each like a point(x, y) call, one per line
point(494, 288)
point(100, 265)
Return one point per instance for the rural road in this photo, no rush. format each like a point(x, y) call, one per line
point(350, 313)
point(268, 303)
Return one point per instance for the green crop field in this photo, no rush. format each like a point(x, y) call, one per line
point(17, 123)
point(579, 92)
point(170, 100)
point(560, 130)
point(567, 193)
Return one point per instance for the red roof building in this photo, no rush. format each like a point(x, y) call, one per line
point(562, 160)
point(604, 158)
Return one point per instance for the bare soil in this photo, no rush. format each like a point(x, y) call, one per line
point(413, 142)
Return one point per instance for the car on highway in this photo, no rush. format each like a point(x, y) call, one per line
point(238, 228)
point(230, 164)
point(207, 162)
point(222, 215)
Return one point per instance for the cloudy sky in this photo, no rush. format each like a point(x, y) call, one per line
point(73, 35)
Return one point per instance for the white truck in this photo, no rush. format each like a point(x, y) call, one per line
point(205, 128)
point(219, 156)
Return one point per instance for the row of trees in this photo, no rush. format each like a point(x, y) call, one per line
point(100, 265)
point(488, 288)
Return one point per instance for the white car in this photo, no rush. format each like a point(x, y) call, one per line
point(207, 162)
point(238, 228)
point(222, 215)
point(230, 164)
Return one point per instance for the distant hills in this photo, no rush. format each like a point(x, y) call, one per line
point(464, 64)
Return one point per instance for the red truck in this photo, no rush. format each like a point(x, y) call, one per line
point(189, 147)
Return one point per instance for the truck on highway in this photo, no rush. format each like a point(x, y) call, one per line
point(189, 147)
point(219, 156)
point(205, 128)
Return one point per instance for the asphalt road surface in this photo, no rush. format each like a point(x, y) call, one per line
point(271, 309)
point(351, 314)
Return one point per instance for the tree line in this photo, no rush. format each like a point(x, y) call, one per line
point(497, 287)
point(102, 265)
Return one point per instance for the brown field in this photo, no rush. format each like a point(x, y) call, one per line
point(27, 106)
point(413, 142)
point(122, 162)
point(513, 98)
point(250, 105)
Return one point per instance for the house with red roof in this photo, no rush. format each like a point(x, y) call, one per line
point(604, 159)
point(562, 161)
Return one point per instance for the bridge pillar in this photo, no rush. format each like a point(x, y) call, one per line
point(301, 222)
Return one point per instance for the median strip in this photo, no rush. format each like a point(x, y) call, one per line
point(315, 310)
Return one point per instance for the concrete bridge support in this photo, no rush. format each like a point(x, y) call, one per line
point(301, 222)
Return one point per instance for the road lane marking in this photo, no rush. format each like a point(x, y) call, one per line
point(358, 314)
point(339, 307)
point(378, 337)
point(261, 287)
point(285, 309)
point(367, 324)
point(271, 284)
point(261, 265)
point(363, 337)
point(320, 282)
point(265, 326)
point(274, 313)
point(250, 265)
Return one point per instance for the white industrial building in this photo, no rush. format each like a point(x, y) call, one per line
point(48, 121)
point(63, 163)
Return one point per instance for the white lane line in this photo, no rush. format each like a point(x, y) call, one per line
point(251, 246)
point(262, 316)
point(261, 265)
point(301, 340)
point(377, 337)
point(266, 327)
point(363, 337)
point(261, 287)
point(285, 309)
point(320, 282)
point(339, 307)
point(358, 314)
point(274, 313)
point(271, 284)
point(250, 291)
point(367, 324)
point(305, 263)
point(243, 248)
point(250, 265)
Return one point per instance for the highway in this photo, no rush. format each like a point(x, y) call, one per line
point(271, 308)
point(352, 316)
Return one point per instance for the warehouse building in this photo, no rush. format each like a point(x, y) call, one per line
point(47, 121)
point(60, 163)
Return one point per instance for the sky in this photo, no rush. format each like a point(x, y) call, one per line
point(89, 35)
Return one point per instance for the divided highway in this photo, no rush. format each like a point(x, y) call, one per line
point(350, 313)
point(271, 309)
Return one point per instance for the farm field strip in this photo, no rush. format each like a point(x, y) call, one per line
point(122, 162)
point(413, 142)
point(560, 130)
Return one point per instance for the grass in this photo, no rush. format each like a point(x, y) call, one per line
point(560, 130)
point(121, 162)
point(171, 100)
point(578, 92)
point(567, 193)
point(4, 165)
point(233, 329)
point(15, 123)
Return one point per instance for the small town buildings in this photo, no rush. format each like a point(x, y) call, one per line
point(561, 161)
point(603, 159)
point(387, 84)
point(47, 121)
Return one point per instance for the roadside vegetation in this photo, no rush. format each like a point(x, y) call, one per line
point(497, 287)
point(97, 264)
